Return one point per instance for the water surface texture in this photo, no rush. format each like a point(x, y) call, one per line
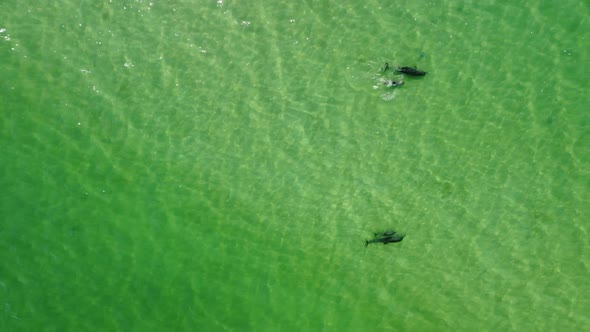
point(218, 165)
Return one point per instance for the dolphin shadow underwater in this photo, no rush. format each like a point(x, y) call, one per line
point(386, 237)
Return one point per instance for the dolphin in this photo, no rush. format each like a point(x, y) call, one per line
point(391, 238)
point(412, 71)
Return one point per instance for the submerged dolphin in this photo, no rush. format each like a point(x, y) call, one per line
point(391, 237)
point(412, 71)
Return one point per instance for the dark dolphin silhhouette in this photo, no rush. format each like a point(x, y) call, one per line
point(386, 237)
point(412, 71)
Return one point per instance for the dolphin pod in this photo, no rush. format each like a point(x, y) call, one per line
point(409, 71)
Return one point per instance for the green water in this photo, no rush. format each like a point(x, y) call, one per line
point(218, 165)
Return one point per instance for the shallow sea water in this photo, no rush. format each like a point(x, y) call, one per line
point(218, 165)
